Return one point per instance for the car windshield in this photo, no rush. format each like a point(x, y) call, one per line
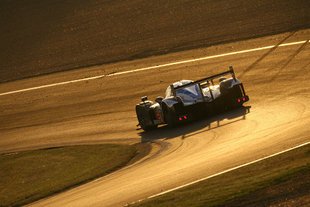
point(190, 94)
point(176, 84)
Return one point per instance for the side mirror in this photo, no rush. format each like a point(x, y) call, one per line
point(143, 98)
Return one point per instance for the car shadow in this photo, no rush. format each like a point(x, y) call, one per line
point(189, 129)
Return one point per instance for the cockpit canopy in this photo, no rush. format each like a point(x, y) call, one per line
point(176, 84)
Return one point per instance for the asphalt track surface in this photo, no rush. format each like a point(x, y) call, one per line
point(102, 111)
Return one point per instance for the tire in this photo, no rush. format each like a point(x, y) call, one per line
point(170, 116)
point(225, 86)
point(144, 117)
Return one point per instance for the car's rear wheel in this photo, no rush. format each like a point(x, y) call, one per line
point(144, 117)
point(170, 116)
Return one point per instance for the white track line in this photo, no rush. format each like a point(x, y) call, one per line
point(225, 171)
point(154, 67)
point(209, 57)
point(51, 85)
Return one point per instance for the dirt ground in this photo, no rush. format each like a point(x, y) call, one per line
point(39, 37)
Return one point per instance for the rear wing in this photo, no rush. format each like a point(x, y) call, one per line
point(206, 80)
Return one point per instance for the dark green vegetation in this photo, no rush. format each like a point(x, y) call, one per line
point(284, 178)
point(39, 37)
point(28, 176)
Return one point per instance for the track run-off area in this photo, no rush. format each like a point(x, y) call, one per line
point(153, 67)
point(96, 105)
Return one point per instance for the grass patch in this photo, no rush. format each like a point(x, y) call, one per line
point(31, 175)
point(271, 181)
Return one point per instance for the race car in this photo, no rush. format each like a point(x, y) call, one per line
point(188, 100)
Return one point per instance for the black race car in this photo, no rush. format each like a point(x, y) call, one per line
point(187, 100)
